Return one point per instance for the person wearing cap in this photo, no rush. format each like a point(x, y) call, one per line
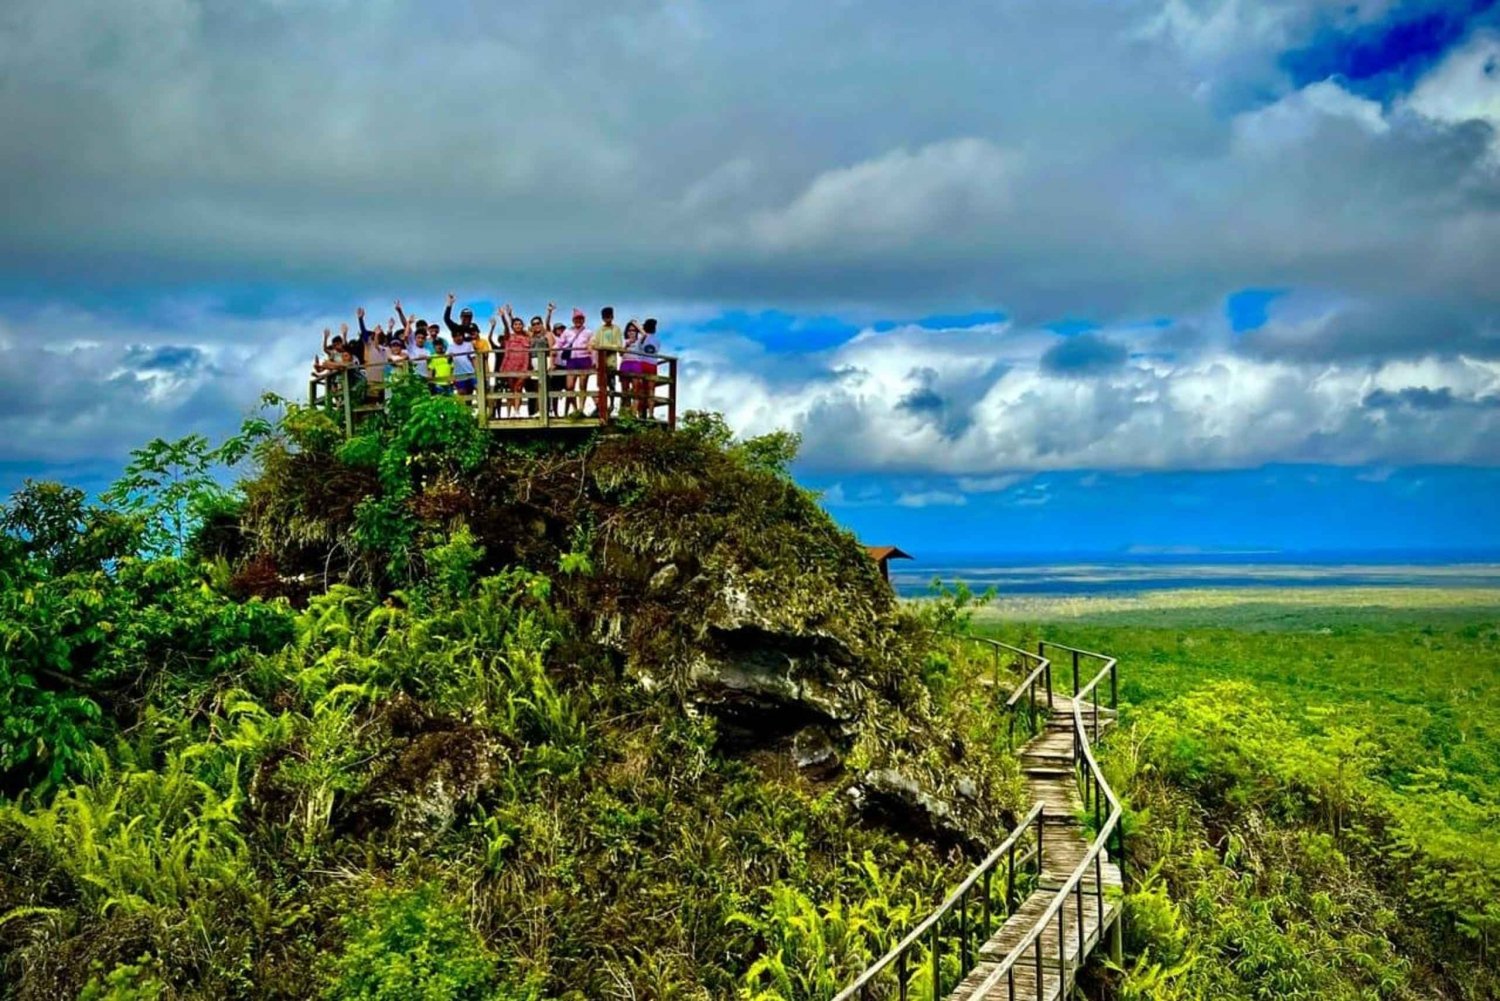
point(441, 368)
point(462, 356)
point(578, 360)
point(465, 322)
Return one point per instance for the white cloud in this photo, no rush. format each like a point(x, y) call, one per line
point(1297, 119)
point(931, 498)
point(1214, 409)
point(990, 484)
point(1464, 86)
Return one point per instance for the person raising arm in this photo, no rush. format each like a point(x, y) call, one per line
point(465, 323)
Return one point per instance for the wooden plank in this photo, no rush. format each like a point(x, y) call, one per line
point(1079, 934)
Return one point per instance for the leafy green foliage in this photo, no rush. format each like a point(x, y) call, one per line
point(413, 943)
point(86, 625)
point(137, 981)
point(1313, 792)
point(165, 484)
point(772, 452)
point(436, 772)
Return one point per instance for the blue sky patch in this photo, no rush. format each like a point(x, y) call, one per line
point(785, 333)
point(1381, 59)
point(1249, 308)
point(1281, 508)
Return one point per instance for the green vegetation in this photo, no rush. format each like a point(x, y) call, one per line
point(1314, 787)
point(427, 714)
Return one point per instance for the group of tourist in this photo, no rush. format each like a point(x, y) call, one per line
point(516, 358)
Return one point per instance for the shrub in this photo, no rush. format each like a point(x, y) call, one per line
point(412, 943)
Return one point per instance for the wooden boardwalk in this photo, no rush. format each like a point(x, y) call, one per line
point(1061, 847)
point(1047, 967)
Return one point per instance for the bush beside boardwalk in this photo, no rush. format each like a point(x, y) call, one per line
point(1314, 782)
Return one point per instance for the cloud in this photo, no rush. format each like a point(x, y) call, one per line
point(198, 188)
point(859, 163)
point(1423, 398)
point(1465, 86)
point(1083, 354)
point(931, 498)
point(1213, 408)
point(990, 484)
point(867, 496)
point(1303, 327)
point(1415, 397)
point(91, 399)
point(893, 200)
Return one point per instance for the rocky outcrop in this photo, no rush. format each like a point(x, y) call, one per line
point(902, 800)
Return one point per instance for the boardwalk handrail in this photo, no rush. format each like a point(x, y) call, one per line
point(1041, 675)
point(615, 392)
point(959, 897)
point(1033, 820)
point(1096, 790)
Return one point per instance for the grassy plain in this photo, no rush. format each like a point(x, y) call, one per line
point(1314, 777)
point(1417, 666)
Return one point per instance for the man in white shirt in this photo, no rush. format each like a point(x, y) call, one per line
point(462, 353)
point(416, 350)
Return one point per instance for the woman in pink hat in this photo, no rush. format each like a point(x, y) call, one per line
point(577, 359)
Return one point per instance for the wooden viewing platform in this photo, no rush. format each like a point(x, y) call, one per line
point(1063, 884)
point(498, 406)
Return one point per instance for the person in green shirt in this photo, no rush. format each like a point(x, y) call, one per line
point(607, 343)
point(440, 368)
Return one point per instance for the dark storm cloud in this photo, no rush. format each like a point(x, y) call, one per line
point(1084, 354)
point(1054, 158)
point(1386, 328)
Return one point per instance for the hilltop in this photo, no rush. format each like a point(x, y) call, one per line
point(560, 719)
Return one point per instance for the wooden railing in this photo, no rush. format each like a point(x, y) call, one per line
point(1027, 699)
point(518, 399)
point(896, 965)
point(925, 941)
point(1066, 904)
point(1091, 784)
point(1070, 894)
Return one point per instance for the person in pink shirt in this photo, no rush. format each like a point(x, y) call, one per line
point(515, 359)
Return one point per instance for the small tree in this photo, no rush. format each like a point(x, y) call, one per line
point(166, 483)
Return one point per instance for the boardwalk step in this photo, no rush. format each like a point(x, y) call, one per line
point(1051, 762)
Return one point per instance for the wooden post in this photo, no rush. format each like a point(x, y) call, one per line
point(601, 367)
point(481, 387)
point(1117, 937)
point(348, 403)
point(544, 404)
point(672, 399)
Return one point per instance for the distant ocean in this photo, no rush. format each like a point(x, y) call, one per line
point(1073, 574)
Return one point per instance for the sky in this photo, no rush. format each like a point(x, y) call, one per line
point(1035, 275)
